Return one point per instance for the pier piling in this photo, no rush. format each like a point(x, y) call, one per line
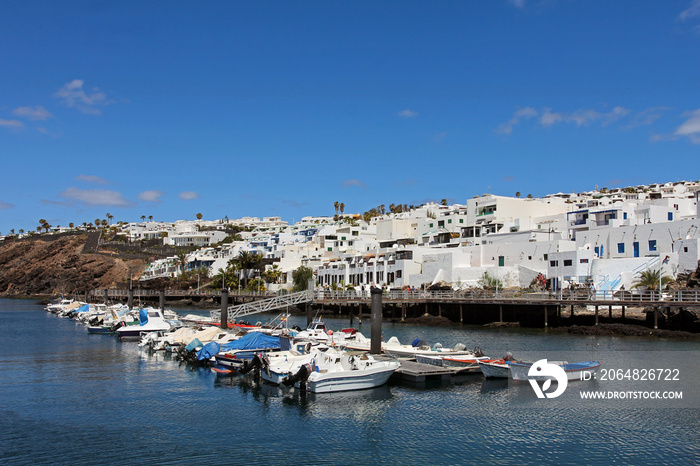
point(161, 300)
point(376, 338)
point(224, 308)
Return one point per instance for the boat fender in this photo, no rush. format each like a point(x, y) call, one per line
point(301, 376)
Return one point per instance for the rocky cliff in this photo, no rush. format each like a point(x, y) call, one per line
point(52, 266)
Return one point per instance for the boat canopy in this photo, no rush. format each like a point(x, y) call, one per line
point(253, 340)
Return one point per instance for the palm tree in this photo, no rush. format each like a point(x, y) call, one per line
point(246, 261)
point(649, 279)
point(199, 216)
point(143, 218)
point(150, 218)
point(517, 194)
point(273, 274)
point(182, 262)
point(337, 206)
point(109, 217)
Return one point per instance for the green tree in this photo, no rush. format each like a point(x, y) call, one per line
point(150, 218)
point(443, 202)
point(301, 277)
point(273, 274)
point(649, 279)
point(342, 208)
point(517, 194)
point(109, 217)
point(337, 206)
point(199, 216)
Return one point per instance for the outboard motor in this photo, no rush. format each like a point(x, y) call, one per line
point(255, 363)
point(477, 352)
point(301, 376)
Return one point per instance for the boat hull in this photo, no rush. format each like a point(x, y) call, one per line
point(493, 370)
point(349, 380)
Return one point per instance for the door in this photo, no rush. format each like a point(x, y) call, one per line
point(635, 246)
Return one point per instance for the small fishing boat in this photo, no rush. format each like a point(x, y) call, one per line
point(584, 370)
point(498, 369)
point(235, 354)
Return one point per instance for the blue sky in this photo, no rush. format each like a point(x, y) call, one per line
point(279, 108)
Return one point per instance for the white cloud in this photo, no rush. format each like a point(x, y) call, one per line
point(408, 113)
point(96, 197)
point(354, 184)
point(548, 118)
point(648, 116)
point(517, 3)
point(37, 113)
point(72, 95)
point(692, 11)
point(151, 196)
point(11, 123)
point(188, 195)
point(5, 205)
point(519, 115)
point(92, 179)
point(691, 127)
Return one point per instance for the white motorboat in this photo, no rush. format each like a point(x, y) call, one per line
point(334, 372)
point(150, 320)
point(417, 348)
point(499, 369)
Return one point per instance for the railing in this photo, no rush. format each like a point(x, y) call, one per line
point(641, 296)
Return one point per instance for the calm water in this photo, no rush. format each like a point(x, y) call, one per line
point(73, 398)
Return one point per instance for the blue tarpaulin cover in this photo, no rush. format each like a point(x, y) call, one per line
point(253, 340)
point(85, 308)
point(193, 344)
point(209, 350)
point(143, 316)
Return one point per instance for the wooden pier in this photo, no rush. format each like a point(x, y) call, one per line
point(416, 372)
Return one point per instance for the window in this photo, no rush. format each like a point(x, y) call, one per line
point(529, 258)
point(568, 262)
point(670, 216)
point(398, 274)
point(449, 220)
point(583, 261)
point(501, 261)
point(461, 220)
point(652, 245)
point(553, 263)
point(624, 215)
point(330, 249)
point(620, 248)
point(431, 225)
point(685, 249)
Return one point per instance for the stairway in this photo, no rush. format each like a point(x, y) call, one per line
point(92, 243)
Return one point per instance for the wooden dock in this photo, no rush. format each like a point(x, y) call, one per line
point(416, 372)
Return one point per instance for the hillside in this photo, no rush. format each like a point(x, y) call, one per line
point(52, 266)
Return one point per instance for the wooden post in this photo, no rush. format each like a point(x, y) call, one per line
point(610, 312)
point(623, 312)
point(546, 308)
point(106, 295)
point(439, 309)
point(403, 311)
point(572, 310)
point(500, 315)
point(596, 314)
point(461, 315)
point(656, 318)
point(376, 337)
point(161, 299)
point(426, 308)
point(359, 313)
point(130, 299)
point(224, 309)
